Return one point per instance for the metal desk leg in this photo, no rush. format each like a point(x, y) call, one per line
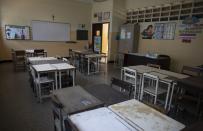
point(39, 88)
point(171, 97)
point(97, 64)
point(88, 66)
point(60, 86)
point(56, 81)
point(73, 77)
point(122, 73)
point(168, 92)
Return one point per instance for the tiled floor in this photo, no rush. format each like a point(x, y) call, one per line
point(19, 109)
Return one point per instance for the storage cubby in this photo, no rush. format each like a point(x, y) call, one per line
point(198, 4)
point(197, 10)
point(186, 5)
point(174, 18)
point(164, 19)
point(155, 19)
point(175, 7)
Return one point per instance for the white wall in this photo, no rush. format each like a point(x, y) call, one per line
point(181, 53)
point(22, 12)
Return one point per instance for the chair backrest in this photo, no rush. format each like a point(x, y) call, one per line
point(20, 53)
point(191, 71)
point(149, 78)
point(122, 84)
point(154, 65)
point(131, 74)
point(39, 52)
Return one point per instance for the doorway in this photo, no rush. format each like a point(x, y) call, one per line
point(100, 37)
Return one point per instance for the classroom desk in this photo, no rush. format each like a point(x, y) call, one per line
point(95, 56)
point(195, 85)
point(61, 67)
point(102, 119)
point(171, 76)
point(45, 68)
point(75, 100)
point(145, 117)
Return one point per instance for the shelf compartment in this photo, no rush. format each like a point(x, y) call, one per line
point(187, 11)
point(165, 14)
point(174, 18)
point(164, 19)
point(129, 13)
point(141, 16)
point(172, 13)
point(141, 20)
point(156, 9)
point(148, 11)
point(135, 12)
point(182, 17)
point(141, 11)
point(167, 8)
point(197, 10)
point(186, 5)
point(155, 19)
point(198, 15)
point(198, 4)
point(134, 21)
point(148, 15)
point(156, 15)
point(148, 20)
point(175, 7)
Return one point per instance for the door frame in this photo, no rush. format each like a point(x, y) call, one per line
point(101, 34)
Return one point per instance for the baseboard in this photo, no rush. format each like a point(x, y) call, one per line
point(5, 61)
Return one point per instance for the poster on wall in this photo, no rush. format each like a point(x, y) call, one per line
point(106, 15)
point(97, 44)
point(148, 32)
point(189, 31)
point(165, 31)
point(14, 32)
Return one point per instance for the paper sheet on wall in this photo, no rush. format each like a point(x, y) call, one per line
point(122, 34)
point(128, 35)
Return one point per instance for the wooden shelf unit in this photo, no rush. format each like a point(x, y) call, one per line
point(166, 13)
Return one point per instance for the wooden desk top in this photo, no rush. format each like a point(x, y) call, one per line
point(63, 66)
point(76, 99)
point(102, 119)
point(39, 62)
point(145, 117)
point(44, 68)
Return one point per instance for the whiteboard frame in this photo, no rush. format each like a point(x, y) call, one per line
point(49, 22)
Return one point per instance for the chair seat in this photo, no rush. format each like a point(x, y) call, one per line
point(151, 90)
point(43, 80)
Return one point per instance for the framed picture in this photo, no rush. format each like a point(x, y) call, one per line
point(15, 32)
point(106, 15)
point(99, 15)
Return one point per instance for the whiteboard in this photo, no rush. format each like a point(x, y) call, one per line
point(50, 31)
